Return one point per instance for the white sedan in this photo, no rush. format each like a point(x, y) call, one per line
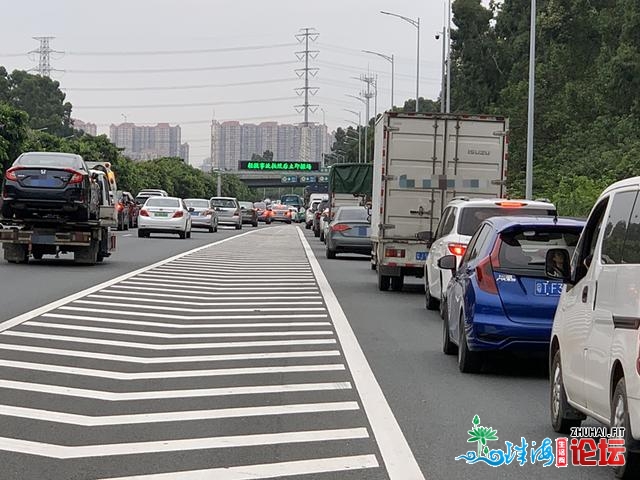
point(164, 215)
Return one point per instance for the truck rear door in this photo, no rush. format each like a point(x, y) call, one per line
point(413, 201)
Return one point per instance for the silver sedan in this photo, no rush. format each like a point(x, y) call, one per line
point(202, 214)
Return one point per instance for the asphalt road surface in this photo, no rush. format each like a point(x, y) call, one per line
point(252, 358)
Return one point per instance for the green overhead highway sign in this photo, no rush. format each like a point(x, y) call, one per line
point(280, 166)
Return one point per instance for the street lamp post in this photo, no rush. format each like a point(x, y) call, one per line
point(366, 129)
point(388, 58)
point(415, 23)
point(359, 115)
point(532, 94)
point(443, 88)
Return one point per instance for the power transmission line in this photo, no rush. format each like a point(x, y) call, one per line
point(183, 105)
point(177, 87)
point(193, 69)
point(181, 52)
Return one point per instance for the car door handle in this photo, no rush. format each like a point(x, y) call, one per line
point(585, 293)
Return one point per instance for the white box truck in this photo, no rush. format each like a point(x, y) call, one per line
point(421, 162)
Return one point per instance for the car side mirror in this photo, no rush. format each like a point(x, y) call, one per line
point(191, 209)
point(448, 262)
point(557, 265)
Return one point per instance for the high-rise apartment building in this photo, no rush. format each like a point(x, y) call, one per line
point(86, 127)
point(233, 142)
point(141, 142)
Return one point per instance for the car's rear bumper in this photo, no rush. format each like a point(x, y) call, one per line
point(201, 221)
point(162, 225)
point(346, 244)
point(249, 220)
point(21, 198)
point(234, 220)
point(490, 332)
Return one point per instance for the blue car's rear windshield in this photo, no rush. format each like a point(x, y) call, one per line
point(527, 250)
point(472, 217)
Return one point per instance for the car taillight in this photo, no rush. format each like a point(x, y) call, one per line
point(340, 227)
point(144, 213)
point(457, 249)
point(237, 212)
point(510, 204)
point(76, 177)
point(394, 252)
point(484, 270)
point(178, 214)
point(10, 174)
point(207, 212)
point(119, 207)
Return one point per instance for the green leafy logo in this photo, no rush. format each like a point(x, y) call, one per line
point(481, 435)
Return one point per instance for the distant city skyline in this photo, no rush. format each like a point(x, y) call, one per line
point(143, 142)
point(234, 142)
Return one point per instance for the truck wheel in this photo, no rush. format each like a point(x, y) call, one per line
point(384, 281)
point(142, 233)
point(563, 415)
point(182, 235)
point(331, 254)
point(620, 418)
point(37, 255)
point(254, 224)
point(397, 283)
point(16, 253)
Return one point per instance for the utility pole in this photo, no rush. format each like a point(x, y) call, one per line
point(449, 59)
point(44, 56)
point(532, 96)
point(215, 161)
point(308, 35)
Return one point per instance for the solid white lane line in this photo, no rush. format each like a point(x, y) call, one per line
point(176, 416)
point(176, 359)
point(397, 455)
point(53, 305)
point(106, 450)
point(199, 310)
point(265, 290)
point(206, 304)
point(182, 325)
point(162, 292)
point(171, 346)
point(233, 271)
point(166, 394)
point(146, 333)
point(194, 317)
point(267, 470)
point(216, 372)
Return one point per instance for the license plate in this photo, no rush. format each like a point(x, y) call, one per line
point(161, 214)
point(44, 182)
point(421, 255)
point(363, 231)
point(548, 289)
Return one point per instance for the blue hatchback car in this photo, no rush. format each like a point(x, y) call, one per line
point(500, 297)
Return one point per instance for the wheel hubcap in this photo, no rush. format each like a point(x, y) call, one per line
point(557, 386)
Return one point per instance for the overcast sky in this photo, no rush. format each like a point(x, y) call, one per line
point(262, 89)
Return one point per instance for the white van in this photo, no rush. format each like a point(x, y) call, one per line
point(594, 353)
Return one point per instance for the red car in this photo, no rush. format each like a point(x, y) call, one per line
point(127, 209)
point(281, 213)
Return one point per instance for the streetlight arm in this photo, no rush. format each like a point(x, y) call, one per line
point(406, 19)
point(388, 58)
point(356, 97)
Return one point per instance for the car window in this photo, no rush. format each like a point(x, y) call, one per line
point(471, 217)
point(527, 250)
point(352, 214)
point(197, 203)
point(631, 247)
point(615, 229)
point(587, 244)
point(246, 204)
point(260, 205)
point(446, 223)
point(476, 243)
point(44, 160)
point(163, 202)
point(223, 202)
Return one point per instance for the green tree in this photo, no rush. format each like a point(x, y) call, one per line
point(13, 134)
point(40, 97)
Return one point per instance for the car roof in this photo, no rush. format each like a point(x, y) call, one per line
point(505, 223)
point(52, 154)
point(192, 199)
point(165, 198)
point(480, 202)
point(627, 182)
point(224, 198)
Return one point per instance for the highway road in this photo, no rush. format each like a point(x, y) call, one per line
point(254, 357)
